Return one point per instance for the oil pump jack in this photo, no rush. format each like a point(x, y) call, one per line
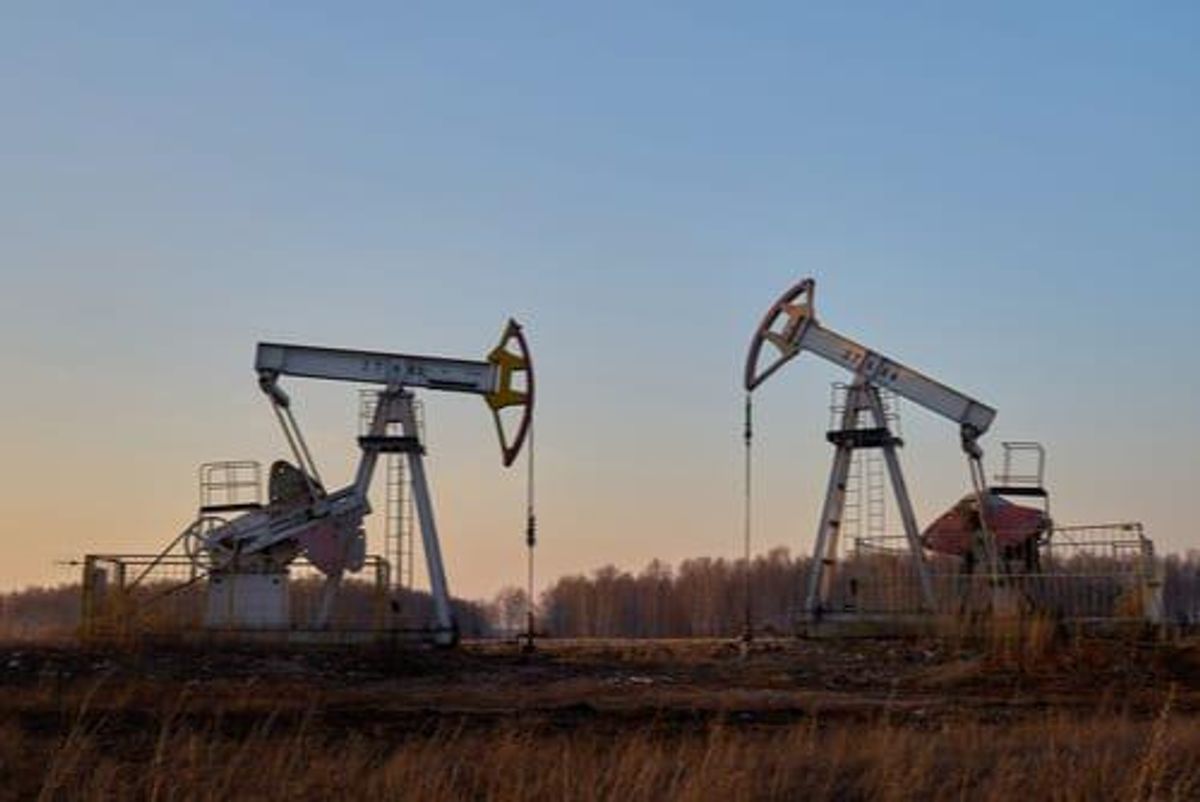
point(789, 328)
point(246, 559)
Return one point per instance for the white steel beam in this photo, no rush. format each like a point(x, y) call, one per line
point(372, 367)
point(905, 382)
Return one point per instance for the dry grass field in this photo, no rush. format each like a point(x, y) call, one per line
point(606, 720)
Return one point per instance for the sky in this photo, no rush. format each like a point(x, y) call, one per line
point(1003, 196)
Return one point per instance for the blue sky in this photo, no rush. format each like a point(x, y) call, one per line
point(1006, 197)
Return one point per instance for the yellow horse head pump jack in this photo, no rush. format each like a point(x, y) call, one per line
point(511, 365)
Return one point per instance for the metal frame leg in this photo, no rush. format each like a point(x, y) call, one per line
point(824, 563)
point(447, 626)
point(821, 572)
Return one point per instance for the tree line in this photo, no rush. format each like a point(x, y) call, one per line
point(701, 597)
point(707, 597)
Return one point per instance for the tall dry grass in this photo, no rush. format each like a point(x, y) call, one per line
point(1060, 757)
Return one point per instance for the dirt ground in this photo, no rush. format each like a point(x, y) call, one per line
point(672, 684)
point(934, 720)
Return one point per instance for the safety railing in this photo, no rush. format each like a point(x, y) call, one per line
point(143, 593)
point(1094, 572)
point(230, 486)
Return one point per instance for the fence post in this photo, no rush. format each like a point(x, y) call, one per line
point(88, 601)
